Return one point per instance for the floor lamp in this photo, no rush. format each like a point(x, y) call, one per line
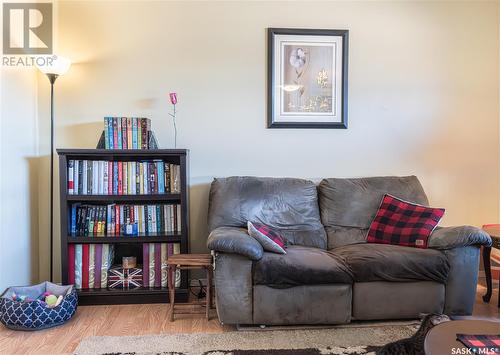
point(54, 69)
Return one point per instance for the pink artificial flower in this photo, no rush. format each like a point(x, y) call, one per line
point(173, 98)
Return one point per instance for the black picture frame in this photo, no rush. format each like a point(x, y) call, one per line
point(271, 100)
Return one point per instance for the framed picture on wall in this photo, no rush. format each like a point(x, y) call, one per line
point(307, 78)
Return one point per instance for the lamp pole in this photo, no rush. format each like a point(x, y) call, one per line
point(57, 67)
point(52, 79)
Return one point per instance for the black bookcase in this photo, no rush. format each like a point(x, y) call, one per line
point(139, 295)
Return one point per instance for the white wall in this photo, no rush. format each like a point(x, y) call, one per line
point(423, 92)
point(18, 177)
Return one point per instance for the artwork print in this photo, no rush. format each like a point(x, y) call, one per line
point(307, 83)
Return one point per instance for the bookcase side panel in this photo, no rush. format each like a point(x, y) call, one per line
point(63, 183)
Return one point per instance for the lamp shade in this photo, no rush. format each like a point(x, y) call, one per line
point(58, 66)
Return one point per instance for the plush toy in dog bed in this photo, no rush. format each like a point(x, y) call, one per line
point(26, 308)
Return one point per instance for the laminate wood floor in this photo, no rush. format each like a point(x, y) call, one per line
point(139, 320)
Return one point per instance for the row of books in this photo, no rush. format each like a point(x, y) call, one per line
point(88, 264)
point(124, 220)
point(154, 264)
point(98, 177)
point(126, 132)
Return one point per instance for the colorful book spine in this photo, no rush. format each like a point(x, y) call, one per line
point(145, 178)
point(117, 220)
point(151, 265)
point(177, 250)
point(145, 126)
point(119, 135)
point(133, 176)
point(124, 133)
point(120, 178)
point(98, 266)
point(91, 265)
point(160, 167)
point(105, 264)
point(71, 264)
point(134, 133)
point(178, 228)
point(139, 134)
point(137, 178)
point(100, 178)
point(110, 133)
point(115, 133)
point(115, 178)
point(105, 184)
point(72, 223)
point(78, 265)
point(71, 185)
point(129, 133)
point(157, 264)
point(106, 133)
point(145, 264)
point(76, 175)
point(170, 249)
point(95, 177)
point(85, 266)
point(143, 219)
point(164, 267)
point(135, 227)
point(80, 176)
point(125, 178)
point(110, 177)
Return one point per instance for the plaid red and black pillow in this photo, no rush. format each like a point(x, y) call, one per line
point(403, 223)
point(481, 344)
point(267, 237)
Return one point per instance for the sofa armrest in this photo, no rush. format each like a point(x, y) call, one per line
point(455, 237)
point(236, 241)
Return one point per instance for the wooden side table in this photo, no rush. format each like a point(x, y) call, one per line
point(494, 231)
point(189, 262)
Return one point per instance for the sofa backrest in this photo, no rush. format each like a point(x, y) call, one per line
point(348, 206)
point(290, 205)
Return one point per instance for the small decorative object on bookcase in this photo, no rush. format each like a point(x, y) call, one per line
point(127, 133)
point(173, 101)
point(129, 262)
point(124, 278)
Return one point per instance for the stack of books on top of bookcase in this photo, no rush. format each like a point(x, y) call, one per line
point(126, 132)
point(99, 177)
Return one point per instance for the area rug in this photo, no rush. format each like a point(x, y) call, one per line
point(352, 341)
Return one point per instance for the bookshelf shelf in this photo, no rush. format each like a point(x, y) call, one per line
point(126, 242)
point(139, 295)
point(125, 198)
point(125, 239)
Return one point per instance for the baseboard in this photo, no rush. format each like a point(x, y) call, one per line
point(353, 324)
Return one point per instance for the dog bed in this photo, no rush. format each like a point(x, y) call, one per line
point(35, 315)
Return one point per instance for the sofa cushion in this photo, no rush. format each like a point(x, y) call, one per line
point(300, 266)
point(382, 262)
point(348, 206)
point(284, 204)
point(403, 223)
